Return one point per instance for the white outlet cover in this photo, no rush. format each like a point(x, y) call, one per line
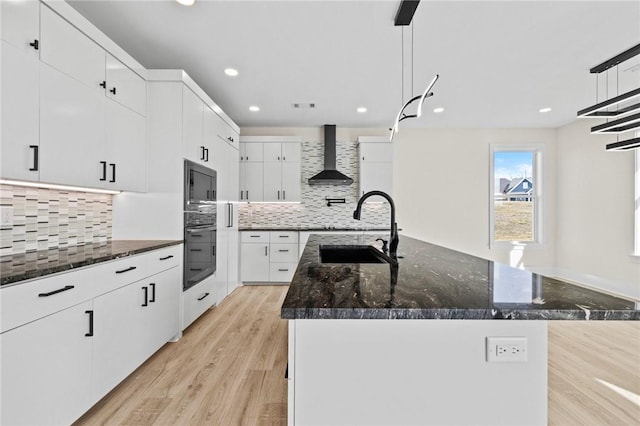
point(506, 349)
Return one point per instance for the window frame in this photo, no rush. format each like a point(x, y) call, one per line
point(538, 193)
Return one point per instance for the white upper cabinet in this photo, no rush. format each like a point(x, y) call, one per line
point(125, 86)
point(276, 151)
point(193, 145)
point(21, 25)
point(375, 157)
point(68, 50)
point(72, 130)
point(252, 152)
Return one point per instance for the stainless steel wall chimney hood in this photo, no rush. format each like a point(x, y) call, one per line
point(330, 176)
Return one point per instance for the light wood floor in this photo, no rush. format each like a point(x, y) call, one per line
point(228, 369)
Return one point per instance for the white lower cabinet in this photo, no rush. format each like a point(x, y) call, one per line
point(197, 300)
point(78, 334)
point(46, 369)
point(268, 256)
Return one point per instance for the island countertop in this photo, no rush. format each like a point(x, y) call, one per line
point(434, 282)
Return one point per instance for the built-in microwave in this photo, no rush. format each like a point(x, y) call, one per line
point(199, 186)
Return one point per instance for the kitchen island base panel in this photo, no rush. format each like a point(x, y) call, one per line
point(376, 372)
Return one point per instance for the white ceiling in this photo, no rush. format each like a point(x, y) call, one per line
point(499, 61)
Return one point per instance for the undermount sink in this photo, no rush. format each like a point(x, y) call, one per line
point(351, 254)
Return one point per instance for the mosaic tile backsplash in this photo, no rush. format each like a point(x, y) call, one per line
point(313, 210)
point(43, 219)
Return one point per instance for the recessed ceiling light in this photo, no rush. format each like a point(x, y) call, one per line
point(231, 72)
point(186, 2)
point(361, 109)
point(254, 108)
point(438, 110)
point(547, 109)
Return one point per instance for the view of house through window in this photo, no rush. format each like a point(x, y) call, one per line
point(514, 210)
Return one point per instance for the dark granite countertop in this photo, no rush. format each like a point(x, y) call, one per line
point(26, 266)
point(433, 282)
point(310, 228)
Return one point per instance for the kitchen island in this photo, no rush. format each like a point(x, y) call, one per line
point(368, 361)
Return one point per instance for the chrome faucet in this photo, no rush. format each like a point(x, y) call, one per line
point(393, 244)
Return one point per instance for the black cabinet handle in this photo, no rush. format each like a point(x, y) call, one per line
point(230, 138)
point(103, 84)
point(278, 195)
point(247, 197)
point(195, 249)
point(254, 236)
point(283, 236)
point(36, 149)
point(208, 195)
point(113, 90)
point(284, 194)
point(213, 250)
point(195, 269)
point(283, 270)
point(60, 290)
point(206, 151)
point(196, 235)
point(146, 296)
point(90, 333)
point(130, 268)
point(113, 172)
point(203, 296)
point(266, 253)
point(231, 216)
point(283, 251)
point(35, 44)
point(104, 170)
point(202, 155)
point(241, 195)
point(153, 292)
point(166, 257)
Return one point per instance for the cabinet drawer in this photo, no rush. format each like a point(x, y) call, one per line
point(163, 259)
point(197, 300)
point(26, 302)
point(282, 272)
point(115, 274)
point(255, 237)
point(290, 237)
point(284, 252)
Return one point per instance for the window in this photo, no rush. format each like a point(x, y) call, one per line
point(515, 194)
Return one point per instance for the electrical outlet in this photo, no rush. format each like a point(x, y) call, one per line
point(506, 349)
point(6, 216)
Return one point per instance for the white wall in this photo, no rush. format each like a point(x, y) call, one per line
point(441, 187)
point(595, 208)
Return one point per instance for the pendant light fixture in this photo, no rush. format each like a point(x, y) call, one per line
point(623, 109)
point(404, 17)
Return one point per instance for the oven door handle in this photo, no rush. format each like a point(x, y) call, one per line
point(207, 228)
point(229, 215)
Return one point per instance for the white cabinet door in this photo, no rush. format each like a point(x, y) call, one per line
point(234, 174)
point(376, 177)
point(21, 25)
point(291, 185)
point(193, 145)
point(376, 152)
point(126, 149)
point(196, 300)
point(272, 181)
point(68, 50)
point(46, 369)
point(272, 151)
point(255, 262)
point(161, 316)
point(72, 130)
point(211, 140)
point(291, 152)
point(253, 181)
point(251, 152)
point(118, 325)
point(125, 86)
point(20, 109)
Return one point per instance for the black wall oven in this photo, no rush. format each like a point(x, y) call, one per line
point(199, 223)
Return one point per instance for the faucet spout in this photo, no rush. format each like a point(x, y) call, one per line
point(393, 241)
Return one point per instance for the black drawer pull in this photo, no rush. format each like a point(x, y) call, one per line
point(146, 296)
point(283, 270)
point(60, 290)
point(153, 293)
point(167, 257)
point(195, 269)
point(90, 333)
point(254, 236)
point(195, 249)
point(113, 90)
point(283, 251)
point(203, 296)
point(35, 158)
point(283, 236)
point(104, 170)
point(35, 44)
point(130, 268)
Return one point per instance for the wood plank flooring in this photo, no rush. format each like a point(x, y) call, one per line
point(228, 369)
